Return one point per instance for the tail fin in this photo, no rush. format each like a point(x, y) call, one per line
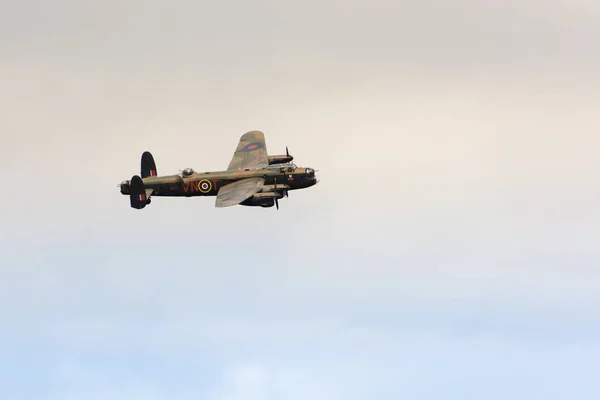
point(137, 193)
point(148, 165)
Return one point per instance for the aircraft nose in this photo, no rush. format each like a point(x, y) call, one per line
point(311, 178)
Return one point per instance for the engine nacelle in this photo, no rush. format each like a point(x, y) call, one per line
point(254, 202)
point(261, 199)
point(280, 159)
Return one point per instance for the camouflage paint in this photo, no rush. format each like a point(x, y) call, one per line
point(250, 161)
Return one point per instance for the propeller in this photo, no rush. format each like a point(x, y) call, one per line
point(275, 193)
point(287, 151)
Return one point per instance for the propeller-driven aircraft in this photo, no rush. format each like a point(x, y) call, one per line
point(253, 178)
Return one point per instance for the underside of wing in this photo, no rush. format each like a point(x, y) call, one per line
point(237, 192)
point(251, 151)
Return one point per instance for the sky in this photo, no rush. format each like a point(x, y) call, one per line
point(448, 252)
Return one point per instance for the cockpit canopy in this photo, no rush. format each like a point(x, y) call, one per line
point(310, 171)
point(288, 167)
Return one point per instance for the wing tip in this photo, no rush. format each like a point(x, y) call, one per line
point(252, 134)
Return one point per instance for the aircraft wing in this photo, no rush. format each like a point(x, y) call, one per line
point(237, 192)
point(251, 151)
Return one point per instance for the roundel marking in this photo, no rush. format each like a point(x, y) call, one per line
point(252, 146)
point(204, 186)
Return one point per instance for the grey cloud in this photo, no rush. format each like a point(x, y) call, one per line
point(278, 36)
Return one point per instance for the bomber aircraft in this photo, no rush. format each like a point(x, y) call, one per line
point(253, 178)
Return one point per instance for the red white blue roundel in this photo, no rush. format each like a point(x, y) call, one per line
point(252, 146)
point(204, 186)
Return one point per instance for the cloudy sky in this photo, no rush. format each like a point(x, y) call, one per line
point(450, 250)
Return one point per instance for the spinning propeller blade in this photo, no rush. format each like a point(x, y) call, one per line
point(275, 193)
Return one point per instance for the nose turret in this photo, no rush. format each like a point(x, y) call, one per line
point(310, 177)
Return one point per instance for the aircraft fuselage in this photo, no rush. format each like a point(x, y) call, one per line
point(208, 183)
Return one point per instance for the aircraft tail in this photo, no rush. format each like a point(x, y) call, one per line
point(148, 167)
point(137, 193)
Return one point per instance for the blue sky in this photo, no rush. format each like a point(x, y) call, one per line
point(449, 251)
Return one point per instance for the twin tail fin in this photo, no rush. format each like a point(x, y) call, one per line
point(137, 193)
point(148, 166)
